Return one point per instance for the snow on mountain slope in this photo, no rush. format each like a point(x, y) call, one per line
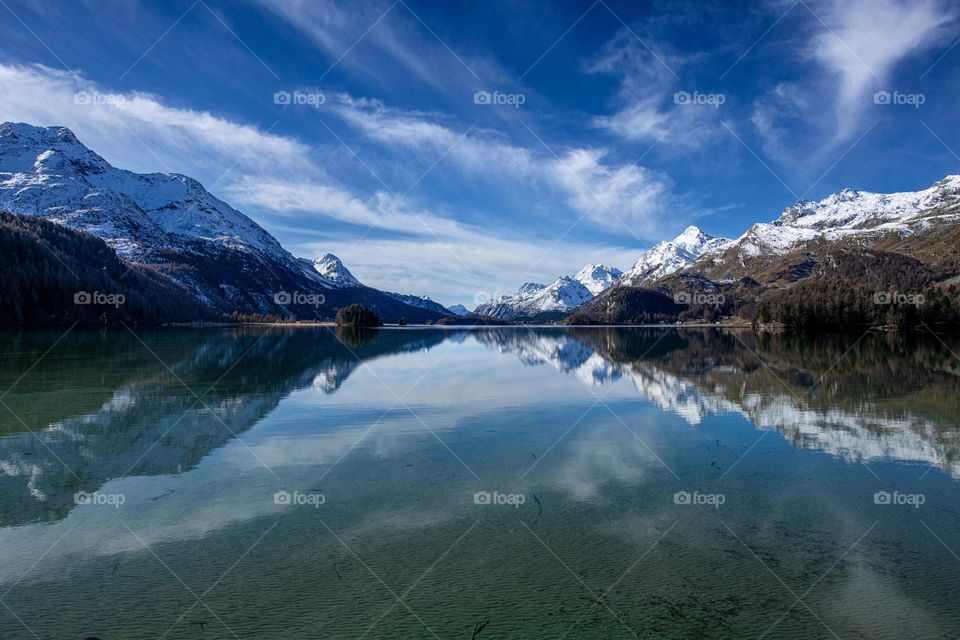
point(597, 277)
point(562, 295)
point(671, 255)
point(421, 302)
point(459, 310)
point(848, 214)
point(532, 299)
point(48, 172)
point(331, 268)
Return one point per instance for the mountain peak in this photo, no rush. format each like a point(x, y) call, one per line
point(692, 235)
point(597, 277)
point(35, 134)
point(25, 148)
point(331, 267)
point(671, 255)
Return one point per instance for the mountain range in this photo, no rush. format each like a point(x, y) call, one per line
point(836, 261)
point(172, 226)
point(540, 302)
point(854, 258)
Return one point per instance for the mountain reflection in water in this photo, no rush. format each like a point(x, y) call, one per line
point(103, 406)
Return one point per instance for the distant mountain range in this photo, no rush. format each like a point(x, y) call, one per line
point(539, 302)
point(171, 225)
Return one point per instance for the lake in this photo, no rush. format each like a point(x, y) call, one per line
point(487, 483)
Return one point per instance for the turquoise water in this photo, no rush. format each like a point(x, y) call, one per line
point(494, 483)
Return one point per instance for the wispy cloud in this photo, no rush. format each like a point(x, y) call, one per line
point(385, 43)
point(595, 189)
point(645, 108)
point(854, 47)
point(139, 131)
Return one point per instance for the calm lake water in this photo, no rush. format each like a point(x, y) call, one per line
point(487, 484)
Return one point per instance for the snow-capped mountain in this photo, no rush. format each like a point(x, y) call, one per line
point(669, 256)
point(851, 214)
point(597, 277)
point(48, 172)
point(459, 310)
point(331, 268)
point(533, 300)
point(216, 253)
point(564, 294)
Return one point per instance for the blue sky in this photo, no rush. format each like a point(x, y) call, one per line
point(600, 127)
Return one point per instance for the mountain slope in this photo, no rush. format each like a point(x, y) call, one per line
point(169, 221)
point(54, 276)
point(849, 218)
point(851, 261)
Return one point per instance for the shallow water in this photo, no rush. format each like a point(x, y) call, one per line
point(495, 483)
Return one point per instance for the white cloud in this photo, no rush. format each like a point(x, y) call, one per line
point(475, 151)
point(425, 253)
point(855, 49)
point(458, 270)
point(865, 41)
point(608, 194)
point(618, 196)
point(642, 120)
